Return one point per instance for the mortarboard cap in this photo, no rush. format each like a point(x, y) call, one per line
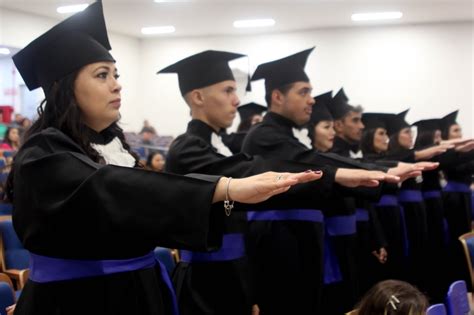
point(428, 125)
point(339, 105)
point(320, 111)
point(396, 123)
point(283, 71)
point(75, 42)
point(448, 120)
point(248, 110)
point(203, 69)
point(376, 120)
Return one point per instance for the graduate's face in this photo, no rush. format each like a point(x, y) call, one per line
point(219, 104)
point(380, 140)
point(296, 104)
point(97, 93)
point(455, 132)
point(352, 126)
point(405, 138)
point(324, 135)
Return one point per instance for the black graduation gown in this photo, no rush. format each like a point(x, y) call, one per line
point(370, 236)
point(273, 138)
point(390, 218)
point(233, 140)
point(67, 206)
point(457, 205)
point(416, 223)
point(230, 292)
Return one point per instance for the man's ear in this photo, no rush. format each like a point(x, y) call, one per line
point(195, 97)
point(277, 98)
point(338, 125)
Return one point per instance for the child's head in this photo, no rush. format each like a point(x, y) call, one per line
point(393, 297)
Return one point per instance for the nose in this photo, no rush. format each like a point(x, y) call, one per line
point(236, 101)
point(116, 86)
point(311, 101)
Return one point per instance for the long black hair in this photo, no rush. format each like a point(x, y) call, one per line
point(367, 141)
point(60, 110)
point(425, 139)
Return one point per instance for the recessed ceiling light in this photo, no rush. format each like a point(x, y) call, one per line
point(72, 8)
point(375, 16)
point(171, 1)
point(254, 23)
point(158, 30)
point(4, 51)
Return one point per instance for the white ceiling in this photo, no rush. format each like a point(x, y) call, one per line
point(215, 17)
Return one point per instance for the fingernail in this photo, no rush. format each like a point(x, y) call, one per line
point(317, 172)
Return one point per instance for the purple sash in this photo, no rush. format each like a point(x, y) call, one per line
point(392, 201)
point(453, 186)
point(45, 269)
point(410, 195)
point(233, 248)
point(431, 194)
point(362, 215)
point(286, 215)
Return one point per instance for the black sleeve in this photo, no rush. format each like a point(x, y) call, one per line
point(63, 199)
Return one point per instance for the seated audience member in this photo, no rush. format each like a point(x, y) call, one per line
point(392, 297)
point(155, 162)
point(11, 142)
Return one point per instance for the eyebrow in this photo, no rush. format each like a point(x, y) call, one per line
point(106, 68)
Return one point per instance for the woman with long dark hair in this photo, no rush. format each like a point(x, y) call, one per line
point(89, 218)
point(374, 146)
point(410, 196)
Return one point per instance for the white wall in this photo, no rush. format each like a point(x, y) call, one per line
point(426, 67)
point(18, 29)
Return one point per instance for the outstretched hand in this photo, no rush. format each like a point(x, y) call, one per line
point(356, 177)
point(409, 170)
point(258, 188)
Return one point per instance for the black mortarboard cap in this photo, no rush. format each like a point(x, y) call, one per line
point(448, 120)
point(396, 123)
point(203, 69)
point(428, 125)
point(248, 110)
point(75, 42)
point(320, 110)
point(283, 71)
point(339, 105)
point(376, 120)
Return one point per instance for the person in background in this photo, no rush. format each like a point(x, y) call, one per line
point(148, 128)
point(250, 114)
point(348, 125)
point(321, 125)
point(155, 162)
point(392, 297)
point(11, 142)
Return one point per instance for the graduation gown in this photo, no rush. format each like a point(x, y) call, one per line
point(231, 292)
point(457, 205)
point(274, 137)
point(68, 207)
point(370, 236)
point(233, 140)
point(391, 220)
